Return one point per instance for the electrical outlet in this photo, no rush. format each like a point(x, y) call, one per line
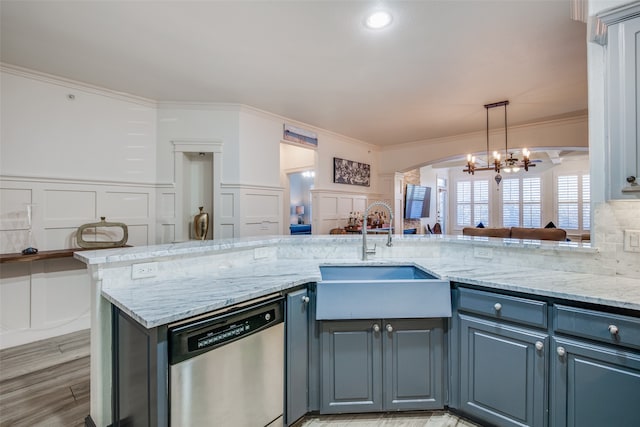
point(259, 253)
point(479, 252)
point(632, 240)
point(141, 271)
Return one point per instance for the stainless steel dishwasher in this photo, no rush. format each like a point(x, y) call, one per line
point(227, 368)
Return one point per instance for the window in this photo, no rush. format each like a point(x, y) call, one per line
point(472, 202)
point(511, 203)
point(573, 202)
point(531, 202)
point(521, 202)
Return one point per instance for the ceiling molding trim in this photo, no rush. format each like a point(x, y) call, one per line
point(269, 115)
point(600, 23)
point(244, 108)
point(192, 105)
point(74, 84)
point(83, 181)
point(455, 138)
point(579, 10)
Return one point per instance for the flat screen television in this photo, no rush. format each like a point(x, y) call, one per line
point(417, 201)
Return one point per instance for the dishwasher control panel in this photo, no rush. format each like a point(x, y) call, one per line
point(204, 334)
point(230, 332)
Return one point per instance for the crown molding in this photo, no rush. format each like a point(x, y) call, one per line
point(482, 133)
point(74, 84)
point(600, 23)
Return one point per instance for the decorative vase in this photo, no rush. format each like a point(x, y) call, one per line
point(201, 224)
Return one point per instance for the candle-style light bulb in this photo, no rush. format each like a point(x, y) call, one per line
point(525, 153)
point(468, 158)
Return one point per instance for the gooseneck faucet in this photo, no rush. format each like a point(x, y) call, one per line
point(365, 250)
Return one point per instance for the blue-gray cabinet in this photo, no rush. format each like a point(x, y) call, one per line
point(520, 361)
point(413, 368)
point(297, 355)
point(499, 357)
point(502, 372)
point(595, 369)
point(622, 99)
point(381, 364)
point(594, 385)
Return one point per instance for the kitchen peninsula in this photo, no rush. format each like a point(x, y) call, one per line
point(193, 278)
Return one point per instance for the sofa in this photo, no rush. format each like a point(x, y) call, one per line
point(557, 234)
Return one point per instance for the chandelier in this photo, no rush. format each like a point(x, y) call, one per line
point(509, 163)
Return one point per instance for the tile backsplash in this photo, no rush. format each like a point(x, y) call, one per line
point(611, 220)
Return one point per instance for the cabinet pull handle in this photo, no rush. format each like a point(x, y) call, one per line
point(539, 345)
point(497, 306)
point(561, 351)
point(613, 330)
point(305, 299)
point(376, 327)
point(389, 327)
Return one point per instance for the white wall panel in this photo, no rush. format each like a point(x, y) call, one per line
point(115, 205)
point(167, 233)
point(15, 297)
point(68, 204)
point(227, 231)
point(138, 235)
point(61, 238)
point(264, 228)
point(260, 211)
point(328, 205)
point(42, 123)
point(13, 208)
point(345, 204)
point(60, 292)
point(209, 122)
point(359, 204)
point(167, 205)
point(332, 209)
point(262, 205)
point(13, 241)
point(259, 142)
point(228, 205)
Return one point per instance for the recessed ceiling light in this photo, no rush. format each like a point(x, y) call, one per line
point(378, 20)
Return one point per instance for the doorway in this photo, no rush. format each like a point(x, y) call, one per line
point(442, 209)
point(300, 207)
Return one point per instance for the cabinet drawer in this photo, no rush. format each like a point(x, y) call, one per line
point(597, 325)
point(504, 307)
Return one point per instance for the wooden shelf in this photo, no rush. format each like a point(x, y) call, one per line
point(59, 253)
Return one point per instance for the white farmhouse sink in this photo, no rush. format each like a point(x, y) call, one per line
point(380, 291)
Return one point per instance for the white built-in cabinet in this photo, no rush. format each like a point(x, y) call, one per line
point(622, 91)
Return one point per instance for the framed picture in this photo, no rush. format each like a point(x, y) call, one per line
point(350, 172)
point(299, 136)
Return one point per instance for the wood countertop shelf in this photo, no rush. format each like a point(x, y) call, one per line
point(42, 255)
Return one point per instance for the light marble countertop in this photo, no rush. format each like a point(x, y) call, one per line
point(159, 302)
point(196, 247)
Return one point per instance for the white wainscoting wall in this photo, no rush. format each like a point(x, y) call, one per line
point(45, 298)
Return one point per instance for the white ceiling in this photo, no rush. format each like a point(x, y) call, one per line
point(428, 75)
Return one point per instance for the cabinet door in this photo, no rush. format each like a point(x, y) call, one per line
point(502, 373)
point(413, 369)
point(297, 335)
point(351, 366)
point(623, 94)
point(594, 385)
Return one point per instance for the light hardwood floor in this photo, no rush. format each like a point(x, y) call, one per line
point(391, 419)
point(47, 384)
